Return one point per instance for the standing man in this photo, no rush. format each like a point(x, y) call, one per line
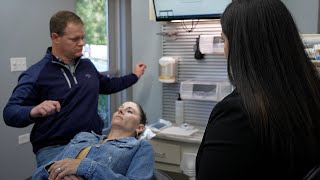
point(59, 94)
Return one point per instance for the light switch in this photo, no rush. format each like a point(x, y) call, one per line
point(18, 63)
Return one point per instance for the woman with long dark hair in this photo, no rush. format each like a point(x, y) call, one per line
point(269, 127)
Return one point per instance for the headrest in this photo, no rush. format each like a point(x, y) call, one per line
point(147, 134)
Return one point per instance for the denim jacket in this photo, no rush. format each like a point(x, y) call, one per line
point(123, 158)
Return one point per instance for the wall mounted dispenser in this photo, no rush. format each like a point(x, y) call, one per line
point(168, 69)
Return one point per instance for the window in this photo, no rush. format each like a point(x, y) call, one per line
point(108, 45)
point(94, 15)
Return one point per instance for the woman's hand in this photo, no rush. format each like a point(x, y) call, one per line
point(63, 168)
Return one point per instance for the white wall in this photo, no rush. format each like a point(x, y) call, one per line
point(146, 48)
point(305, 13)
point(24, 32)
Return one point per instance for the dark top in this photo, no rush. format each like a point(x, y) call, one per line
point(230, 150)
point(77, 89)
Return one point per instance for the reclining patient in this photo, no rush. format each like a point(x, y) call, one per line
point(120, 155)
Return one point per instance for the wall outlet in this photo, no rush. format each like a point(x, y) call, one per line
point(24, 138)
point(18, 63)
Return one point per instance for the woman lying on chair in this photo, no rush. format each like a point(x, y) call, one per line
point(120, 155)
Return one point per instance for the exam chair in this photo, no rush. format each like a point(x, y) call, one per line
point(159, 175)
point(313, 174)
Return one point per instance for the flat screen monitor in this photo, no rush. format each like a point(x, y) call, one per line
point(167, 10)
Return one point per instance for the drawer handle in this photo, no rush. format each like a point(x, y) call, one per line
point(160, 155)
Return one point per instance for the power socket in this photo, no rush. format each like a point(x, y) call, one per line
point(24, 138)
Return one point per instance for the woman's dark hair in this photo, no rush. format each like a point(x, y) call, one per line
point(143, 117)
point(278, 84)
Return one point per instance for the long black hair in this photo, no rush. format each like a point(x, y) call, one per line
point(278, 84)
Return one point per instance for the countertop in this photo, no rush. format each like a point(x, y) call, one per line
point(194, 138)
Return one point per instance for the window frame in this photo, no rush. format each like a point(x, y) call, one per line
point(120, 47)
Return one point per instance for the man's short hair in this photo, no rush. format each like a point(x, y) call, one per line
point(60, 20)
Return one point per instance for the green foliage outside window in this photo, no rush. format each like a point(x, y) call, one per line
point(93, 14)
point(103, 109)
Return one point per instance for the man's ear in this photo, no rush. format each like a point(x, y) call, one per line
point(54, 37)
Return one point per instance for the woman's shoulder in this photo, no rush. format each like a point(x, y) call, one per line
point(130, 142)
point(231, 103)
point(144, 142)
point(233, 99)
point(229, 113)
point(145, 145)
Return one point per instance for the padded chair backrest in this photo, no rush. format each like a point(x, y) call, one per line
point(159, 175)
point(313, 174)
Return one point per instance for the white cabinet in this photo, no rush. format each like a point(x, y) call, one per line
point(169, 150)
point(166, 152)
